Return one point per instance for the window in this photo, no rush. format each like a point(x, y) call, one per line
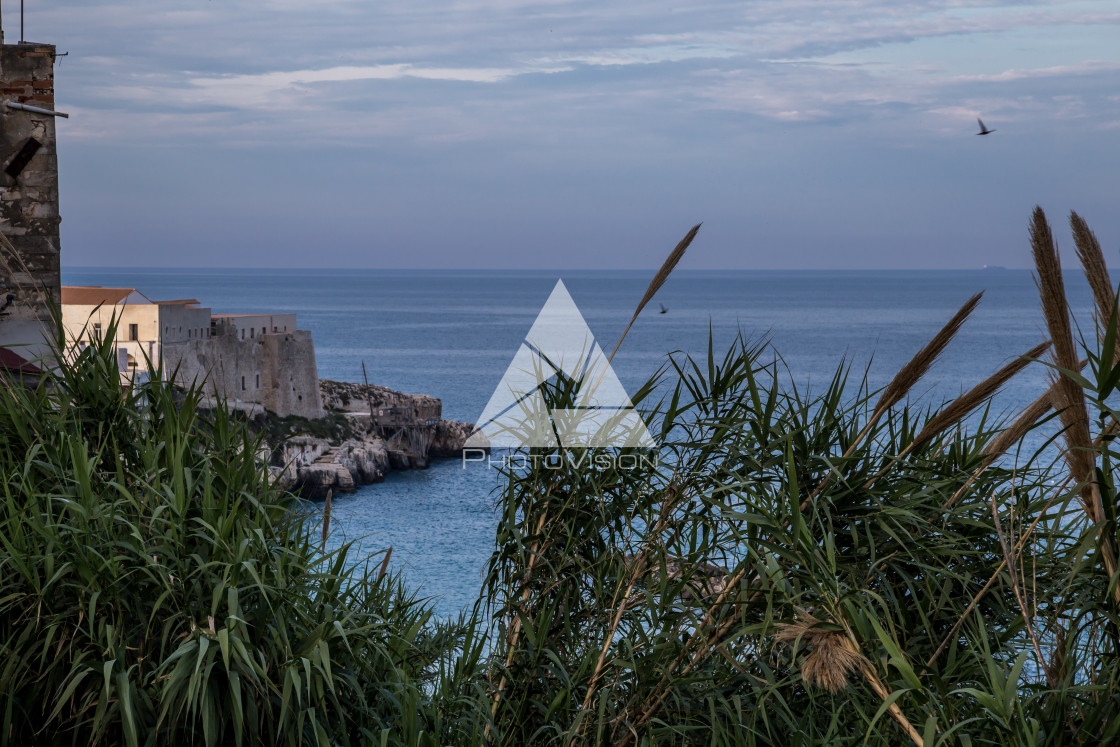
point(262, 330)
point(242, 334)
point(134, 332)
point(252, 332)
point(242, 383)
point(97, 330)
point(258, 381)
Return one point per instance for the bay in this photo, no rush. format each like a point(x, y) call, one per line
point(451, 334)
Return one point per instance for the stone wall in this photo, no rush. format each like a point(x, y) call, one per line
point(29, 216)
point(290, 376)
point(276, 371)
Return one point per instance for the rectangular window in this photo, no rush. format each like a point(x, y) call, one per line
point(258, 381)
point(242, 383)
point(97, 330)
point(134, 332)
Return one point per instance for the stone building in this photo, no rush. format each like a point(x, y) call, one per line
point(143, 327)
point(275, 370)
point(246, 359)
point(29, 218)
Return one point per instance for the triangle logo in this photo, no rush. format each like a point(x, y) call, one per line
point(560, 347)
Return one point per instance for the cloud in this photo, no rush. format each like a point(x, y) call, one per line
point(1088, 67)
point(540, 72)
point(276, 89)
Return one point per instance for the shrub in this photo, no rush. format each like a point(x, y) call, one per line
point(155, 588)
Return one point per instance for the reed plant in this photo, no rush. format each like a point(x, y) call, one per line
point(156, 589)
point(829, 567)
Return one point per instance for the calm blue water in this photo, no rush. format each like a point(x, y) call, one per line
point(452, 335)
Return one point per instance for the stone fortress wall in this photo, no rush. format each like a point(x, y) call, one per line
point(275, 370)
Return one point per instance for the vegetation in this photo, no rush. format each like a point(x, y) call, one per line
point(829, 567)
point(156, 590)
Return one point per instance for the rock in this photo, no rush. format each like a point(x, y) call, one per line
point(344, 396)
point(312, 465)
point(449, 437)
point(367, 461)
point(318, 466)
point(316, 479)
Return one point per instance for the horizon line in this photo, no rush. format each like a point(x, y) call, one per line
point(134, 268)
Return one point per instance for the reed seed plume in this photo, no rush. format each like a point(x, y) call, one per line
point(912, 372)
point(659, 279)
point(1069, 399)
point(973, 398)
point(1030, 415)
point(1096, 270)
point(831, 656)
point(327, 517)
point(384, 565)
point(903, 382)
point(1014, 433)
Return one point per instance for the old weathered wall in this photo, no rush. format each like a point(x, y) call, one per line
point(29, 216)
point(290, 375)
point(230, 368)
point(276, 371)
point(29, 201)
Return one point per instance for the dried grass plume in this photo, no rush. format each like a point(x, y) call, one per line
point(916, 368)
point(831, 656)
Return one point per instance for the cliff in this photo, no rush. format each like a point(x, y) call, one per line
point(343, 396)
point(349, 446)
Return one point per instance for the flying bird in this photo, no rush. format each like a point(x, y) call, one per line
point(983, 130)
point(663, 309)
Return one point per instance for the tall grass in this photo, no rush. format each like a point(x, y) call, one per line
point(155, 589)
point(831, 567)
point(795, 567)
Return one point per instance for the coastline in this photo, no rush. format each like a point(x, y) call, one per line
point(368, 431)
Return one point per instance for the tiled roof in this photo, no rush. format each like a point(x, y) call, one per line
point(92, 295)
point(13, 361)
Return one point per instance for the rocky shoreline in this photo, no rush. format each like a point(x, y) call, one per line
point(353, 445)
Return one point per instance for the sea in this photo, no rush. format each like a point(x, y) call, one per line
point(452, 334)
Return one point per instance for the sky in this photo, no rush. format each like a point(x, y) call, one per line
point(512, 134)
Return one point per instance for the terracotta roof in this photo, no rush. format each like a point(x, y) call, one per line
point(92, 295)
point(13, 361)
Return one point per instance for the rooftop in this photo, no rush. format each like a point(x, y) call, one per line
point(10, 360)
point(93, 295)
